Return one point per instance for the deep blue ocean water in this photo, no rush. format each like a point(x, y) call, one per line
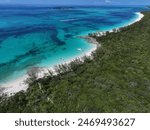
point(43, 36)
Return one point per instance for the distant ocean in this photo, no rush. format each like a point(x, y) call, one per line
point(46, 36)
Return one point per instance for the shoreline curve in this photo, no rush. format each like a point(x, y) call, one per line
point(12, 87)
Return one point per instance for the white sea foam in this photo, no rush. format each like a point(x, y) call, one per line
point(19, 84)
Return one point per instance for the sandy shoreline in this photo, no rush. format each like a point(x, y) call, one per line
point(140, 16)
point(17, 85)
point(14, 86)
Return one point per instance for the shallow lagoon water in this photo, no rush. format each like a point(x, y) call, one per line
point(43, 36)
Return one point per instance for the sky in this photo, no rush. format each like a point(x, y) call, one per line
point(77, 2)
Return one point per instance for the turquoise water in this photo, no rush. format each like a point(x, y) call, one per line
point(43, 36)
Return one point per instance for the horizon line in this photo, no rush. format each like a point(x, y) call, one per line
point(18, 4)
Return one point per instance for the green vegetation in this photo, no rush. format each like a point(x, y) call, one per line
point(116, 80)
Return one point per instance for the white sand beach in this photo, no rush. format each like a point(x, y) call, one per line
point(140, 16)
point(17, 85)
point(12, 87)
